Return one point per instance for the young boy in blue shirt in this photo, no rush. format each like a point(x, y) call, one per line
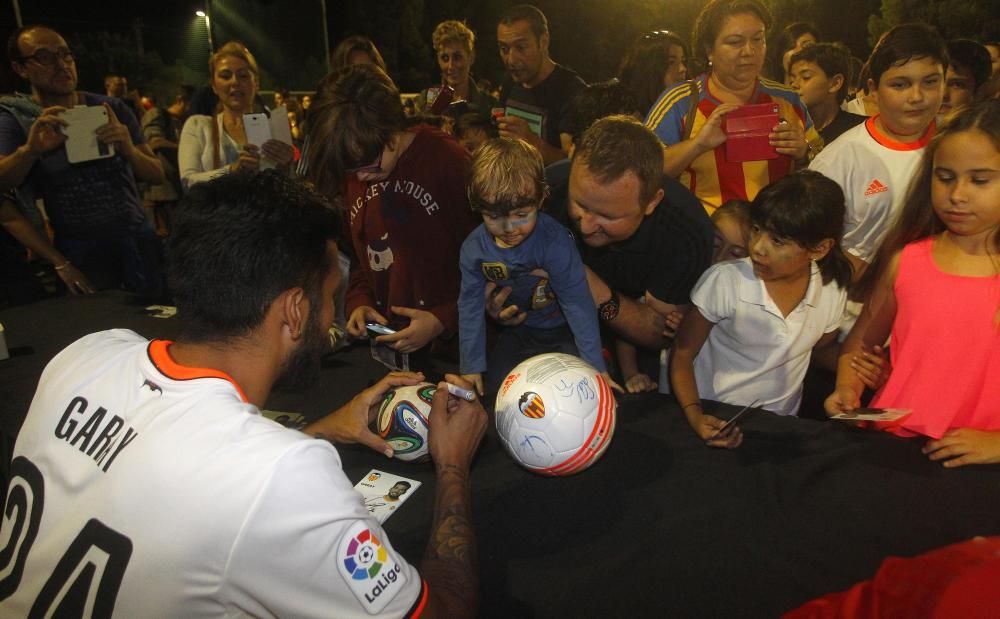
point(519, 246)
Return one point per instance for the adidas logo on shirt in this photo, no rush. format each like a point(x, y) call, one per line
point(875, 187)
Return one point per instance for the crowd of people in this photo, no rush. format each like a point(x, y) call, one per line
point(616, 221)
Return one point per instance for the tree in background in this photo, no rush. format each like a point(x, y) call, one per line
point(953, 18)
point(99, 53)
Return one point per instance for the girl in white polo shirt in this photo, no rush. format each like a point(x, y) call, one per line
point(755, 321)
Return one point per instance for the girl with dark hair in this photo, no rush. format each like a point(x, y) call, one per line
point(655, 60)
point(934, 285)
point(756, 321)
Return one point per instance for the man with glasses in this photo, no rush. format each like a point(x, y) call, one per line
point(94, 207)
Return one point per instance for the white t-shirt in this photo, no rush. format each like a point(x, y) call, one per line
point(184, 499)
point(875, 173)
point(753, 352)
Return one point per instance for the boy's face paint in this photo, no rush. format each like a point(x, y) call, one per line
point(512, 229)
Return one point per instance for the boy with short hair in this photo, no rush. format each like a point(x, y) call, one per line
point(519, 246)
point(968, 69)
point(874, 162)
point(820, 73)
point(472, 129)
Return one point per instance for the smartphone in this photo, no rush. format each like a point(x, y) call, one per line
point(732, 421)
point(81, 127)
point(442, 100)
point(257, 128)
point(258, 131)
point(375, 329)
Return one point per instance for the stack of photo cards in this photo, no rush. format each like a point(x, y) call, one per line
point(383, 492)
point(873, 414)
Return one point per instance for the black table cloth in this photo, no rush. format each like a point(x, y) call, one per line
point(660, 526)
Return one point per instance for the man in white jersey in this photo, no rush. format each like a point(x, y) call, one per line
point(146, 482)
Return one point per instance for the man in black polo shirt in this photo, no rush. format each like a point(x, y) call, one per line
point(641, 234)
point(536, 92)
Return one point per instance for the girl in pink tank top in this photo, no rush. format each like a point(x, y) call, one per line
point(935, 287)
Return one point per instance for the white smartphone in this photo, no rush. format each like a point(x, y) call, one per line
point(258, 130)
point(81, 133)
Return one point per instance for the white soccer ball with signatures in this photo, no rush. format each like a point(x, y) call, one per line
point(402, 420)
point(555, 414)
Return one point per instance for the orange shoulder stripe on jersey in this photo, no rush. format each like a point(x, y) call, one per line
point(161, 358)
point(418, 607)
point(892, 144)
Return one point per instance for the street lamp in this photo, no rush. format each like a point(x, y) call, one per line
point(208, 28)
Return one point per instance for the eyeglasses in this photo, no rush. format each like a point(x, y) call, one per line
point(372, 168)
point(47, 58)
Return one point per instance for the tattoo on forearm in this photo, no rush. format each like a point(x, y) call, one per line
point(453, 538)
point(452, 469)
point(450, 561)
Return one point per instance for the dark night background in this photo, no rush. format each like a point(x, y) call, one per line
point(158, 45)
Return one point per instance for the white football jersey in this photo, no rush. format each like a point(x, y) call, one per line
point(875, 173)
point(144, 488)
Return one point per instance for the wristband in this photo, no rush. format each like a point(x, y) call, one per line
point(686, 406)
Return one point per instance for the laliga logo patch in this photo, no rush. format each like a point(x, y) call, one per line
point(373, 575)
point(508, 382)
point(365, 556)
point(531, 405)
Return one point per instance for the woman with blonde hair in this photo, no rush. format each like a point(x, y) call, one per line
point(454, 47)
point(214, 145)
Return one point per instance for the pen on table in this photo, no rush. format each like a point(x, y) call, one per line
point(458, 392)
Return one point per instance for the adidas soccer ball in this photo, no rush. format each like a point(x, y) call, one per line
point(555, 414)
point(402, 420)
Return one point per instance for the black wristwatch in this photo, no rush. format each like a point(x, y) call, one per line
point(608, 310)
